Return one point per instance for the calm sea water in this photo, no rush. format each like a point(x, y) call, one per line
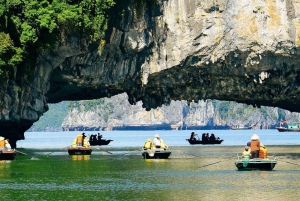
point(193, 172)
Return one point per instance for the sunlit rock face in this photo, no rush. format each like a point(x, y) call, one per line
point(246, 51)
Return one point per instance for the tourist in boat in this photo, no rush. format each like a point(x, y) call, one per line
point(7, 145)
point(246, 153)
point(212, 137)
point(74, 143)
point(94, 138)
point(156, 141)
point(79, 140)
point(148, 144)
point(193, 136)
point(263, 151)
point(163, 145)
point(2, 142)
point(254, 146)
point(99, 137)
point(86, 143)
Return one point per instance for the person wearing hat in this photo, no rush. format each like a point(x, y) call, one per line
point(193, 136)
point(246, 153)
point(156, 141)
point(254, 146)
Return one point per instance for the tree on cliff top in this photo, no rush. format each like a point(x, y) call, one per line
point(29, 26)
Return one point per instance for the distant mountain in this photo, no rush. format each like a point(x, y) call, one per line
point(116, 113)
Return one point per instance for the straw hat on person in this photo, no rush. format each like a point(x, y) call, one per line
point(255, 137)
point(262, 145)
point(156, 135)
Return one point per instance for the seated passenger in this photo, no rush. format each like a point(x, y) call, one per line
point(246, 153)
point(7, 145)
point(156, 141)
point(86, 143)
point(163, 144)
point(148, 144)
point(74, 144)
point(263, 151)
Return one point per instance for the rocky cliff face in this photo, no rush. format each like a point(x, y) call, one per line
point(246, 51)
point(116, 113)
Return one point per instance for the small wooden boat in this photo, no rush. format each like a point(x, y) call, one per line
point(193, 141)
point(7, 155)
point(156, 153)
point(255, 164)
point(99, 142)
point(79, 150)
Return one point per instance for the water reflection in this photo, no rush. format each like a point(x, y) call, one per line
point(80, 157)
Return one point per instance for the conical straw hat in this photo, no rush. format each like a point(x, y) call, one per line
point(255, 137)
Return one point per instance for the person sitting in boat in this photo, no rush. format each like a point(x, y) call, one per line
point(212, 137)
point(74, 143)
point(148, 144)
point(99, 137)
point(79, 140)
point(263, 151)
point(246, 153)
point(193, 136)
point(86, 143)
point(163, 144)
point(156, 141)
point(7, 145)
point(2, 142)
point(254, 146)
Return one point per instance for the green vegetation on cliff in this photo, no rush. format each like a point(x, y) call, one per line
point(27, 27)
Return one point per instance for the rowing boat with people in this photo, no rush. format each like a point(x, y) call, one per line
point(156, 149)
point(255, 164)
point(156, 153)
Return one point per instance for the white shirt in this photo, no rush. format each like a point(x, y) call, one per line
point(156, 141)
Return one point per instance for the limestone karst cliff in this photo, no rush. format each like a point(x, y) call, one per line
point(116, 113)
point(246, 51)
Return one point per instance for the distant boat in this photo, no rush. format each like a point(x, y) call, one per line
point(205, 142)
point(240, 127)
point(100, 142)
point(255, 164)
point(291, 127)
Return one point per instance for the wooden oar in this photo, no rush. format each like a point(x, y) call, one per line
point(104, 151)
point(290, 163)
point(32, 157)
point(216, 162)
point(62, 148)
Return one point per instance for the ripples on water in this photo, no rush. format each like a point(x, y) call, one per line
point(125, 175)
point(191, 173)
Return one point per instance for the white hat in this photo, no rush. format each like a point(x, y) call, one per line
point(156, 135)
point(255, 137)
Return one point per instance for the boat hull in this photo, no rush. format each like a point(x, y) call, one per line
point(156, 154)
point(7, 155)
point(79, 151)
point(256, 164)
point(204, 142)
point(282, 129)
point(99, 142)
